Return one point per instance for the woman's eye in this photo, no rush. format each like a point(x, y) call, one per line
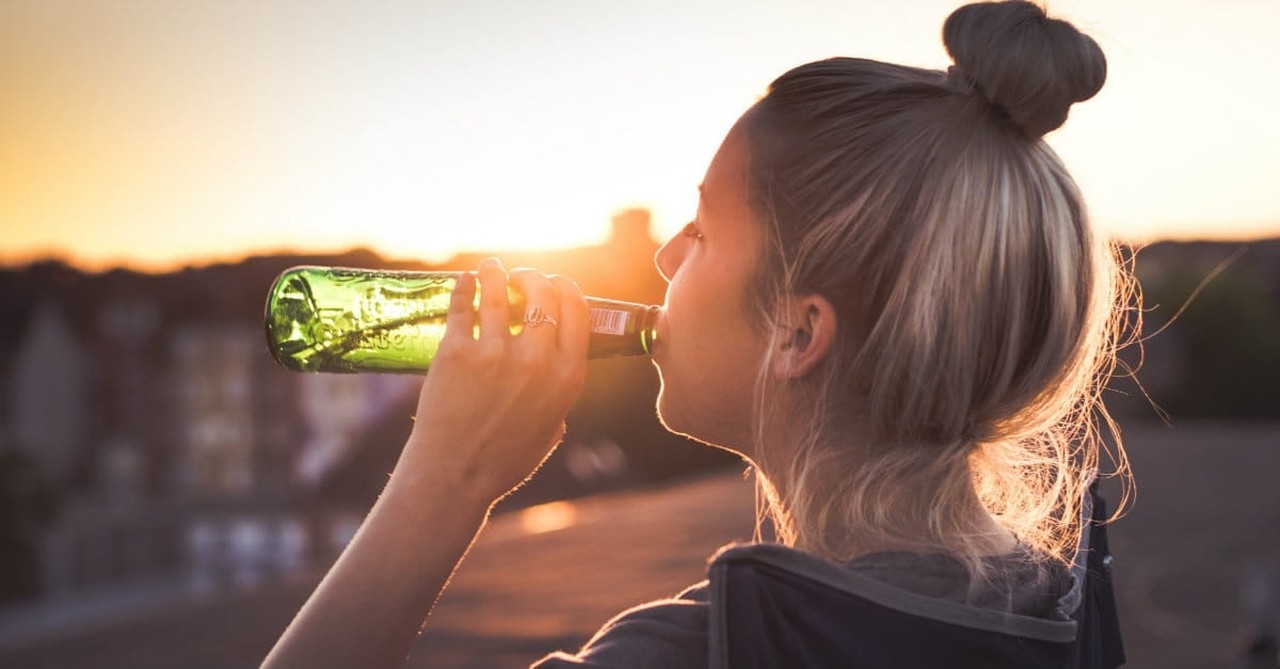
point(691, 231)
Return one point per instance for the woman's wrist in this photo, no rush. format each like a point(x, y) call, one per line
point(418, 492)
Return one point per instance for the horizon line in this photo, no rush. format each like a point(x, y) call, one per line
point(78, 262)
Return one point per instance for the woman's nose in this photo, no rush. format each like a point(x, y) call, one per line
point(668, 258)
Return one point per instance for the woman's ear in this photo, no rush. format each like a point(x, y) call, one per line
point(810, 334)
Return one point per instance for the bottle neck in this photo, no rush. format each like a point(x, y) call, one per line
point(648, 324)
point(621, 328)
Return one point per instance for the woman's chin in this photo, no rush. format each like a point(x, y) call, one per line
point(667, 414)
point(674, 418)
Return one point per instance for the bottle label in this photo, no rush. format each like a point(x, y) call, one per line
point(608, 321)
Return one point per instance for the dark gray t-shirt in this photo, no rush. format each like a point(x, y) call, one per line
point(673, 633)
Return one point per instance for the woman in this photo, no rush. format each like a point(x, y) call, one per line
point(890, 304)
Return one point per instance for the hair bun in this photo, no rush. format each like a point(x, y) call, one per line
point(1031, 66)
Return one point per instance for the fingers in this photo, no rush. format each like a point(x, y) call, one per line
point(575, 330)
point(542, 307)
point(556, 313)
point(461, 319)
point(575, 327)
point(495, 308)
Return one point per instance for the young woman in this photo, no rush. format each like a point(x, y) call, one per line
point(891, 305)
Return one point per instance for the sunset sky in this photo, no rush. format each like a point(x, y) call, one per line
point(159, 133)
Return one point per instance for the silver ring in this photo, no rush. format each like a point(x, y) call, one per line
point(535, 316)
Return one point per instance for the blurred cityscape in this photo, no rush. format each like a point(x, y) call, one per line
point(146, 434)
point(149, 444)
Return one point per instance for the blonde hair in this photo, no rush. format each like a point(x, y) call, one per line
point(978, 316)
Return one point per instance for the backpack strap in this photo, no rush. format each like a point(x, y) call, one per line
point(1100, 643)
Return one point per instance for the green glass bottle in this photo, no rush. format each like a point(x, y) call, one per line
point(337, 319)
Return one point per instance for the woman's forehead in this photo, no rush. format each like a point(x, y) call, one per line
point(724, 187)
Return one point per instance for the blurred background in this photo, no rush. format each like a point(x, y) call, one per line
point(168, 496)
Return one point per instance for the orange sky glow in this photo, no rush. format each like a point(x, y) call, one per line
point(160, 134)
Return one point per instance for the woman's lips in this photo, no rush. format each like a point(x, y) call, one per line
point(660, 336)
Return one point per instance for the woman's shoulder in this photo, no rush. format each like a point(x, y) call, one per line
point(662, 633)
point(678, 632)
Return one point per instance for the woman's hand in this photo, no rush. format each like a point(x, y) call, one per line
point(491, 410)
point(493, 405)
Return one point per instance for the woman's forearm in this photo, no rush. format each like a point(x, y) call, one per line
point(370, 606)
